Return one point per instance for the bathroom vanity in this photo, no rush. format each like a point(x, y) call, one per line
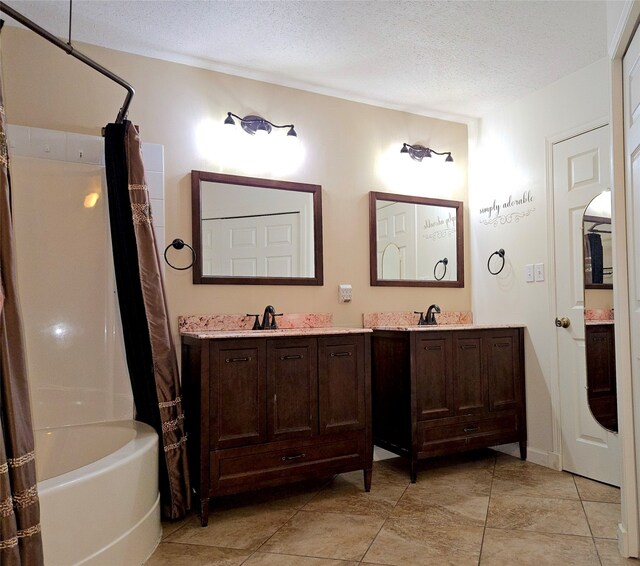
point(444, 389)
point(265, 408)
point(601, 372)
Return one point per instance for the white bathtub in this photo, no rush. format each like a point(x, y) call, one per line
point(98, 488)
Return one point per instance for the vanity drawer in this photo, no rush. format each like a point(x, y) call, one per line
point(467, 433)
point(241, 469)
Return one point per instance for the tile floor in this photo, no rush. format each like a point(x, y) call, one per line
point(481, 508)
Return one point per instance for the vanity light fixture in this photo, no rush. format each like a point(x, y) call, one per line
point(418, 152)
point(257, 124)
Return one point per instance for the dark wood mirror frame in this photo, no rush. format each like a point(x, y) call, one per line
point(373, 255)
point(315, 190)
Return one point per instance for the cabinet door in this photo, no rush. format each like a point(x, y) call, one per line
point(341, 383)
point(601, 366)
point(503, 368)
point(292, 388)
point(433, 383)
point(238, 393)
point(469, 389)
point(503, 355)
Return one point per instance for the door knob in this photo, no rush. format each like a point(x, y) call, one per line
point(563, 322)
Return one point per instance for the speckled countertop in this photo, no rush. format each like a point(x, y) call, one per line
point(433, 328)
point(218, 334)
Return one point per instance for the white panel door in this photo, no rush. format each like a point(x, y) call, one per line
point(631, 95)
point(580, 172)
point(252, 246)
point(396, 229)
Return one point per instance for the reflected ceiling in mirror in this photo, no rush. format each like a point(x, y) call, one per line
point(250, 231)
point(415, 241)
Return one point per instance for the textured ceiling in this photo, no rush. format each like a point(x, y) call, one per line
point(448, 58)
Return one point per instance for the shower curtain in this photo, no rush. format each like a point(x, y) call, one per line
point(20, 540)
point(150, 352)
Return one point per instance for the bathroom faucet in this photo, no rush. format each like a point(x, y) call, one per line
point(268, 318)
point(430, 318)
point(421, 321)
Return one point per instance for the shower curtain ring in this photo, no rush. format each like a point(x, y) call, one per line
point(178, 244)
point(499, 253)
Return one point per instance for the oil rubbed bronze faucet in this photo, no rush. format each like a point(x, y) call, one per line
point(430, 317)
point(268, 319)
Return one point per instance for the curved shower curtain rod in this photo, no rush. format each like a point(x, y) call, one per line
point(68, 48)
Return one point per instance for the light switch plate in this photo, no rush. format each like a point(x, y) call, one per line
point(528, 273)
point(539, 271)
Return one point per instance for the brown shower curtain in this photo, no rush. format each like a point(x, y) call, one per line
point(20, 541)
point(151, 356)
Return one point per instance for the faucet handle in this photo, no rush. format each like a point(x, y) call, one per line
point(256, 322)
point(274, 324)
point(421, 322)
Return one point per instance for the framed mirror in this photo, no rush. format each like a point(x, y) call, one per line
point(250, 231)
point(598, 312)
point(415, 241)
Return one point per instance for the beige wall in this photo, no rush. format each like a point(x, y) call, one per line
point(344, 142)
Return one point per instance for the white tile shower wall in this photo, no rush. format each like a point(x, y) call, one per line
point(153, 159)
point(68, 388)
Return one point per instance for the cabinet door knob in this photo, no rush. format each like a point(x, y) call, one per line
point(563, 322)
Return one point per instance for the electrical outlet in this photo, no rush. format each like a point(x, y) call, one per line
point(539, 270)
point(345, 293)
point(528, 273)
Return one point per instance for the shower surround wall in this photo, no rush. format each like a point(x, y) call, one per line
point(75, 353)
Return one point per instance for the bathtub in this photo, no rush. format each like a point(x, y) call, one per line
point(98, 488)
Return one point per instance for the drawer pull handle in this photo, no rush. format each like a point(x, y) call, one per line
point(502, 345)
point(471, 428)
point(292, 357)
point(247, 359)
point(340, 354)
point(293, 457)
point(468, 347)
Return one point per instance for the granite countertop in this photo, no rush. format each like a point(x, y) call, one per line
point(218, 334)
point(431, 328)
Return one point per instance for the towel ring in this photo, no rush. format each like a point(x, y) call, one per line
point(178, 244)
point(499, 253)
point(444, 261)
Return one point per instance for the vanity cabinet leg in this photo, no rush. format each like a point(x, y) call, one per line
point(523, 449)
point(414, 471)
point(204, 512)
point(367, 480)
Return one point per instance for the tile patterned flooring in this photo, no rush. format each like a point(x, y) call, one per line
point(482, 508)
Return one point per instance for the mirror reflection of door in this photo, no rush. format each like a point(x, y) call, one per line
point(598, 311)
point(391, 265)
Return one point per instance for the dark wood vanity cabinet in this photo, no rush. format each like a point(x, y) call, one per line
point(437, 392)
point(267, 411)
point(601, 374)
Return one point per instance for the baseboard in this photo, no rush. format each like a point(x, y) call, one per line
point(534, 455)
point(623, 542)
